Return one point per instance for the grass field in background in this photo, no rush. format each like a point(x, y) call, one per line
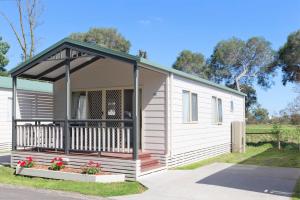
point(267, 128)
point(264, 133)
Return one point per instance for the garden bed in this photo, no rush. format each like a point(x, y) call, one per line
point(69, 174)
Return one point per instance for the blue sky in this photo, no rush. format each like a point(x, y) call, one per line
point(164, 28)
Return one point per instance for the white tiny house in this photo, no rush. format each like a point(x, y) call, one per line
point(133, 115)
point(35, 100)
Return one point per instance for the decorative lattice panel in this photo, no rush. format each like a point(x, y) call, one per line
point(113, 106)
point(95, 106)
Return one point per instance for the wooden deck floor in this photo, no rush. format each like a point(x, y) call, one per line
point(117, 155)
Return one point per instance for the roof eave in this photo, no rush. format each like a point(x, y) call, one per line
point(189, 76)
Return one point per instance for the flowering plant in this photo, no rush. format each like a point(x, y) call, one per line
point(27, 163)
point(57, 164)
point(91, 168)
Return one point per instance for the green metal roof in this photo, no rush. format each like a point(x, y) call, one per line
point(129, 57)
point(189, 76)
point(23, 84)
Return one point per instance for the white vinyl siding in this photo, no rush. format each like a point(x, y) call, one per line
point(189, 137)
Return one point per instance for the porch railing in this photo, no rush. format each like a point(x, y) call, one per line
point(85, 135)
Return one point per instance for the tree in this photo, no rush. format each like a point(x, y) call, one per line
point(28, 14)
point(261, 114)
point(238, 62)
point(4, 47)
point(251, 98)
point(289, 59)
point(192, 63)
point(107, 37)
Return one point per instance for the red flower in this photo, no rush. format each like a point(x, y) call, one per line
point(22, 164)
point(59, 164)
point(29, 158)
point(60, 159)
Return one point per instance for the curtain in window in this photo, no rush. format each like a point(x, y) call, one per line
point(185, 106)
point(194, 107)
point(81, 112)
point(78, 105)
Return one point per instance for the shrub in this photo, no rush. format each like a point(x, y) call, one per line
point(91, 168)
point(57, 164)
point(27, 163)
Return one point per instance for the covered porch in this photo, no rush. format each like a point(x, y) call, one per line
point(106, 105)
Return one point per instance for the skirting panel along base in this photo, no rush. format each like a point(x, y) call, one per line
point(197, 155)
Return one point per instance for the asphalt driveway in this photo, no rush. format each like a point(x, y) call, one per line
point(220, 181)
point(12, 192)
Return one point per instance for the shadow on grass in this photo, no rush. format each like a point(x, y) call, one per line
point(5, 160)
point(254, 176)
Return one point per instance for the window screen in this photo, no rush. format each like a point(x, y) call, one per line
point(185, 106)
point(214, 110)
point(194, 107)
point(220, 111)
point(231, 106)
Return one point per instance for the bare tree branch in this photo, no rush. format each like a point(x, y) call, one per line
point(28, 11)
point(14, 30)
point(22, 28)
point(31, 6)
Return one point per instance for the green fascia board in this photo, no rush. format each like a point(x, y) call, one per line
point(189, 76)
point(129, 57)
point(23, 84)
point(79, 43)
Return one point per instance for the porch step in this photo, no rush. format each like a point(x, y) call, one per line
point(148, 163)
point(144, 155)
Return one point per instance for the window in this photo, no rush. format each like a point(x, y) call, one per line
point(194, 107)
point(189, 106)
point(231, 106)
point(186, 106)
point(217, 110)
point(78, 110)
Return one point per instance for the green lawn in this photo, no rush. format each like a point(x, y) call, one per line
point(98, 189)
point(264, 155)
point(296, 195)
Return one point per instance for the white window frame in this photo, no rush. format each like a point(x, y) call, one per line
point(215, 111)
point(190, 117)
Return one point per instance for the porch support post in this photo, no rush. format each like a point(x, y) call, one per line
point(136, 116)
point(14, 103)
point(68, 102)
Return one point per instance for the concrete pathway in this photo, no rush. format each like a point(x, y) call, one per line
point(220, 181)
point(10, 192)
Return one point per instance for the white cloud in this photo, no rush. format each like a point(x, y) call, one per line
point(150, 20)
